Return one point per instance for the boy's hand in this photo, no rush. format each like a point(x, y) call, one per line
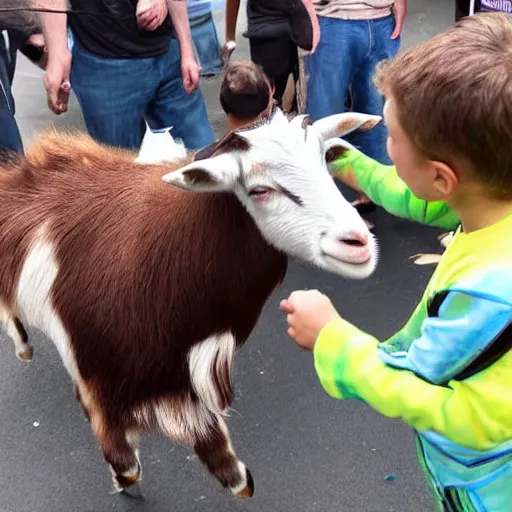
point(348, 178)
point(308, 313)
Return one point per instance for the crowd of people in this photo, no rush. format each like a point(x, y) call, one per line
point(448, 372)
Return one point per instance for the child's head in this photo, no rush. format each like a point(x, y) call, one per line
point(245, 92)
point(449, 110)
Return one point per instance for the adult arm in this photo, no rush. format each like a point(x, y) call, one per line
point(189, 66)
point(58, 68)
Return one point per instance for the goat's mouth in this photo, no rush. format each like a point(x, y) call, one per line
point(349, 251)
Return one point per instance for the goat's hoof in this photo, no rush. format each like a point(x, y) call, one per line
point(26, 354)
point(124, 480)
point(248, 491)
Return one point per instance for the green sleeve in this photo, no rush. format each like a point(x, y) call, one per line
point(348, 366)
point(383, 186)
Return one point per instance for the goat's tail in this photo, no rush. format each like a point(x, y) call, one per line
point(210, 366)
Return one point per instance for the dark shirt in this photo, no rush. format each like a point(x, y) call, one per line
point(267, 18)
point(115, 32)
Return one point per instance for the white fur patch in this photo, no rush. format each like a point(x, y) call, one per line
point(210, 365)
point(243, 484)
point(180, 419)
point(33, 299)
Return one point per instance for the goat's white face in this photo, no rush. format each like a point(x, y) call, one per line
point(278, 171)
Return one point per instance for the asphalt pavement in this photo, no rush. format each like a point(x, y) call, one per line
point(307, 452)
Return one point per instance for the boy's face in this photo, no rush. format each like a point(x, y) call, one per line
point(427, 179)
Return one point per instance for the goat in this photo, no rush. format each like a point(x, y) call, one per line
point(146, 289)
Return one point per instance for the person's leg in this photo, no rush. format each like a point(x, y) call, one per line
point(206, 45)
point(365, 97)
point(113, 94)
point(274, 57)
point(10, 138)
point(172, 106)
point(330, 69)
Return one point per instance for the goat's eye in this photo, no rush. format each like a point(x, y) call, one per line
point(260, 193)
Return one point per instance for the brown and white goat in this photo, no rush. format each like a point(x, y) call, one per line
point(146, 290)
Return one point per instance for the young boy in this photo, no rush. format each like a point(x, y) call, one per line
point(448, 371)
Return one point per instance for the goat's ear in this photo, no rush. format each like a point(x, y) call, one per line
point(215, 174)
point(340, 125)
point(335, 148)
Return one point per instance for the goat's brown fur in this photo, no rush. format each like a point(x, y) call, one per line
point(145, 272)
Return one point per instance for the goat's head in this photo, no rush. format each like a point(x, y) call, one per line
point(278, 170)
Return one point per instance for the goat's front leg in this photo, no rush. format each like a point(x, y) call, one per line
point(216, 452)
point(24, 350)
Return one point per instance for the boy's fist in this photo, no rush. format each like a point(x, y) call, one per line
point(308, 313)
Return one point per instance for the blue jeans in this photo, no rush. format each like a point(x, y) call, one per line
point(207, 47)
point(10, 138)
point(117, 95)
point(346, 58)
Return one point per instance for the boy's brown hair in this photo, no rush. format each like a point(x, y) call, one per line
point(245, 90)
point(453, 97)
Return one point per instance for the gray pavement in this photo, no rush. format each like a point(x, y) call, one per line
point(308, 453)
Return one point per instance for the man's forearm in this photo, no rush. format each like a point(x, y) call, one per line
point(54, 25)
point(179, 16)
point(232, 8)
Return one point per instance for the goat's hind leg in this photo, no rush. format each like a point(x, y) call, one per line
point(118, 447)
point(122, 457)
point(216, 452)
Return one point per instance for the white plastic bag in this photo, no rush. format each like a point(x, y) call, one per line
point(159, 146)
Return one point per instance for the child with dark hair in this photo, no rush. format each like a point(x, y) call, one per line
point(246, 96)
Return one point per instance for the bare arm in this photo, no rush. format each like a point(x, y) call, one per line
point(179, 16)
point(58, 69)
point(189, 66)
point(232, 8)
point(54, 25)
point(400, 11)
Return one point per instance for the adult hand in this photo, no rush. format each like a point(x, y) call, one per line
point(400, 11)
point(227, 49)
point(151, 13)
point(190, 74)
point(56, 81)
point(308, 313)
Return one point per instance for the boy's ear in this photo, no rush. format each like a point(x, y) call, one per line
point(446, 179)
